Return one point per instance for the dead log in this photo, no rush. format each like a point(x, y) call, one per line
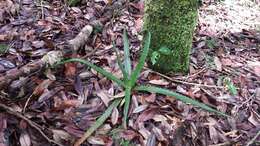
point(50, 58)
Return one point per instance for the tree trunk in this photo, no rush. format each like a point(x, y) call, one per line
point(171, 23)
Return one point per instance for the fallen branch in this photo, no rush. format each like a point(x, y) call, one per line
point(25, 70)
point(31, 123)
point(50, 58)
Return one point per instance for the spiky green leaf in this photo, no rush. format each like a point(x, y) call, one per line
point(126, 54)
point(99, 121)
point(121, 66)
point(126, 106)
point(98, 69)
point(178, 96)
point(141, 62)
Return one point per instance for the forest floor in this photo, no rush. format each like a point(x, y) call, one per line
point(65, 101)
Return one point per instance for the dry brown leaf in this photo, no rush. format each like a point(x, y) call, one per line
point(104, 97)
point(61, 105)
point(158, 134)
point(138, 24)
point(144, 132)
point(254, 118)
point(114, 116)
point(119, 95)
point(3, 37)
point(41, 87)
point(61, 135)
point(159, 118)
point(104, 129)
point(25, 139)
point(159, 82)
point(151, 98)
point(257, 93)
point(151, 140)
point(70, 69)
point(226, 61)
point(218, 63)
point(213, 134)
point(256, 70)
point(3, 126)
point(128, 134)
point(96, 141)
point(146, 115)
point(140, 108)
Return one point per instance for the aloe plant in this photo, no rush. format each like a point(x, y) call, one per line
point(129, 84)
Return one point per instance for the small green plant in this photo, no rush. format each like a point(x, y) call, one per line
point(211, 43)
point(156, 54)
point(129, 84)
point(73, 2)
point(3, 48)
point(209, 61)
point(230, 86)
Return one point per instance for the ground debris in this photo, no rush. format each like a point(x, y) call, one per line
point(65, 100)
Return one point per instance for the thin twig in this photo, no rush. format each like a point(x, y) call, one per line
point(90, 54)
point(184, 82)
point(31, 123)
point(27, 102)
point(254, 139)
point(195, 74)
point(222, 144)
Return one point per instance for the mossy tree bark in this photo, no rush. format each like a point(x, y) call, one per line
point(171, 23)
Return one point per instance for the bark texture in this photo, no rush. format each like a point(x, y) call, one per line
point(171, 23)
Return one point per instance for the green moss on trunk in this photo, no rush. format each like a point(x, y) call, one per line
point(171, 23)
